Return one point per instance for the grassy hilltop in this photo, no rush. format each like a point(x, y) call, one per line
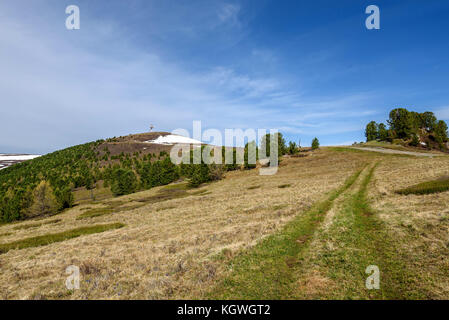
point(96, 170)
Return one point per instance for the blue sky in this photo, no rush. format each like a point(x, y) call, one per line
point(307, 68)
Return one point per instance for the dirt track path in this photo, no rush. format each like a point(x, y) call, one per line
point(353, 239)
point(270, 269)
point(324, 254)
point(391, 151)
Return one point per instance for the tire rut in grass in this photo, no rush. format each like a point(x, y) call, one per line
point(313, 282)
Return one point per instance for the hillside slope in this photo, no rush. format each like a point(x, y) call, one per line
point(92, 166)
point(174, 242)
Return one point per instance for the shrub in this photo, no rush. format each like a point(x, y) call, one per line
point(65, 198)
point(200, 174)
point(169, 172)
point(428, 187)
point(230, 166)
point(57, 237)
point(250, 155)
point(415, 141)
point(292, 148)
point(216, 172)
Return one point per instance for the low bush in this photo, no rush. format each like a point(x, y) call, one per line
point(57, 237)
point(428, 187)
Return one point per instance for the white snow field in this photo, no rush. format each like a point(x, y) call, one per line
point(173, 139)
point(17, 157)
point(7, 160)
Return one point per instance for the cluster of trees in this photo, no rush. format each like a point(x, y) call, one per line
point(23, 185)
point(408, 126)
point(283, 149)
point(45, 185)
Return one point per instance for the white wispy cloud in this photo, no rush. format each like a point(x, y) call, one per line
point(61, 87)
point(228, 13)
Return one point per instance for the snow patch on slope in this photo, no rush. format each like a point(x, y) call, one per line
point(14, 157)
point(173, 139)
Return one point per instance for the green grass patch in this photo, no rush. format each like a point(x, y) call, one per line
point(57, 237)
point(428, 187)
point(165, 195)
point(346, 149)
point(36, 225)
point(84, 196)
point(98, 212)
point(5, 234)
point(396, 147)
point(200, 192)
point(177, 186)
point(174, 191)
point(279, 207)
point(95, 213)
point(369, 152)
point(267, 271)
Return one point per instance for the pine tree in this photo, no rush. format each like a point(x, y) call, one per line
point(371, 131)
point(200, 174)
point(44, 201)
point(441, 133)
point(292, 148)
point(315, 144)
point(383, 132)
point(401, 123)
point(250, 155)
point(124, 182)
point(266, 144)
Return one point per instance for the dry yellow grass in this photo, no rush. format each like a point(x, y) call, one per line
point(420, 223)
point(179, 248)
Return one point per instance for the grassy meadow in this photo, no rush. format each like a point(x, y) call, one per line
point(308, 232)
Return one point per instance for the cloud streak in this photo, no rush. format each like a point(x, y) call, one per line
point(60, 88)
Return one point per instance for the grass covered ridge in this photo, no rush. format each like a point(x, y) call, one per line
point(57, 237)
